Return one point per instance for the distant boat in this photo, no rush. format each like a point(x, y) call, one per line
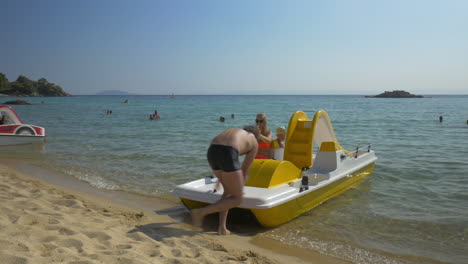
point(13, 131)
point(172, 96)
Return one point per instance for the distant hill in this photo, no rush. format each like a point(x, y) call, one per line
point(396, 94)
point(26, 87)
point(113, 92)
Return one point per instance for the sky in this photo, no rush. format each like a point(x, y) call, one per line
point(238, 46)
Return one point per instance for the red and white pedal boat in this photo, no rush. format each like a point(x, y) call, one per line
point(13, 131)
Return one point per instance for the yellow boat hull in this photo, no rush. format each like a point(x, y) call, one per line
point(285, 212)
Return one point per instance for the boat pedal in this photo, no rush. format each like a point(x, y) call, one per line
point(304, 184)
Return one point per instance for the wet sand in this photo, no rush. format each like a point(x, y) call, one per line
point(49, 218)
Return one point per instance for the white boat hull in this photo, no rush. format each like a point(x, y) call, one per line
point(263, 198)
point(6, 140)
point(279, 204)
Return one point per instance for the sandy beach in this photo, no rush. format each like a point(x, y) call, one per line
point(49, 223)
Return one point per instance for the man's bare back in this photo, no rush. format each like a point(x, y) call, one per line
point(241, 140)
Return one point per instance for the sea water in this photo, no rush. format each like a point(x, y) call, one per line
point(412, 209)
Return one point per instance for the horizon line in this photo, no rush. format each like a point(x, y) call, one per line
point(175, 95)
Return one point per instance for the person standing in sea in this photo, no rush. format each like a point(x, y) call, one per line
point(223, 157)
point(265, 137)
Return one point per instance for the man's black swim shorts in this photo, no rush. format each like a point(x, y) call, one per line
point(222, 157)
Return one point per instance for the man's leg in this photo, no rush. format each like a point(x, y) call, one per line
point(233, 184)
point(222, 229)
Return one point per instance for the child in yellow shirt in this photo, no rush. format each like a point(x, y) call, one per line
point(277, 145)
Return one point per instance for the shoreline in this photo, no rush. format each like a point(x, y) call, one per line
point(141, 229)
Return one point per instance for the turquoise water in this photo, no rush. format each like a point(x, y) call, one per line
point(413, 209)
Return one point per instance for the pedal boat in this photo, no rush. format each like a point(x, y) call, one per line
point(280, 190)
point(14, 131)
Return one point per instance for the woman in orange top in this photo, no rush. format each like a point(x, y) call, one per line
point(265, 137)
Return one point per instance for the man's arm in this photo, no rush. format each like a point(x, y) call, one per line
point(249, 157)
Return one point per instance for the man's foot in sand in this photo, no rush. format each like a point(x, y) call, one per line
point(197, 218)
point(223, 232)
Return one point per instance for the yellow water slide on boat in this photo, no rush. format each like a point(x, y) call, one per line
point(303, 134)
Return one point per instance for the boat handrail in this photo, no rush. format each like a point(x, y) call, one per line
point(359, 147)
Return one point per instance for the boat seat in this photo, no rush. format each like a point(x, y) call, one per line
point(267, 173)
point(326, 159)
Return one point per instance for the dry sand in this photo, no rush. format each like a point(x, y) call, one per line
point(45, 223)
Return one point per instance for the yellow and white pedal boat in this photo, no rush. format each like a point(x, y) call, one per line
point(280, 190)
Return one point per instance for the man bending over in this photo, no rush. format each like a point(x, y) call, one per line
point(223, 157)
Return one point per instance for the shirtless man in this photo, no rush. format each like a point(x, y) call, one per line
point(223, 157)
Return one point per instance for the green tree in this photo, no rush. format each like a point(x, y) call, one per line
point(24, 86)
point(27, 87)
point(43, 86)
point(4, 84)
point(23, 79)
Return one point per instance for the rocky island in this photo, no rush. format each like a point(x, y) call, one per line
point(17, 102)
point(26, 87)
point(396, 94)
